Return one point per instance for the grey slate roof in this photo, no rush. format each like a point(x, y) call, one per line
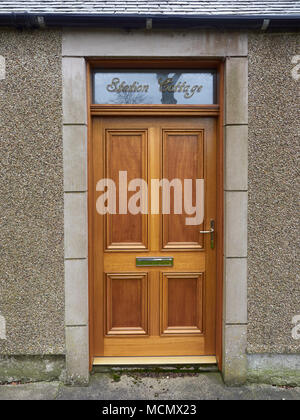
point(154, 7)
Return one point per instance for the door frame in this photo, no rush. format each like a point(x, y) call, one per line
point(216, 111)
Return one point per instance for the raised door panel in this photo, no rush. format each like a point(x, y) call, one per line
point(182, 165)
point(126, 159)
point(126, 304)
point(182, 302)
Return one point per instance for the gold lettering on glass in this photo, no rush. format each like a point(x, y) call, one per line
point(117, 86)
point(165, 85)
point(168, 85)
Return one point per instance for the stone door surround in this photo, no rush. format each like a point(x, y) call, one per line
point(78, 45)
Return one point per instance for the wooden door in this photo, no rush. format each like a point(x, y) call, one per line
point(153, 311)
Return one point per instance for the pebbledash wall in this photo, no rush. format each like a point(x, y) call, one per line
point(31, 206)
point(273, 208)
point(43, 252)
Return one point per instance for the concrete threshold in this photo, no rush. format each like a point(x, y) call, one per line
point(129, 387)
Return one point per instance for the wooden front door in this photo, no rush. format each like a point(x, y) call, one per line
point(156, 310)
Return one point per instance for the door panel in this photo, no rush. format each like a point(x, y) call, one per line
point(126, 150)
point(182, 156)
point(126, 303)
point(154, 311)
point(182, 303)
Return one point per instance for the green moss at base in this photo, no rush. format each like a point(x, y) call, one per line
point(139, 372)
point(116, 377)
point(31, 368)
point(284, 377)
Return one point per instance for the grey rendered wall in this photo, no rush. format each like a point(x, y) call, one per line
point(273, 211)
point(32, 196)
point(32, 202)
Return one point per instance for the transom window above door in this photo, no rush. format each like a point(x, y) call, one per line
point(154, 87)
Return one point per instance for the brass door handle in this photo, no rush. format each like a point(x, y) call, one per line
point(212, 233)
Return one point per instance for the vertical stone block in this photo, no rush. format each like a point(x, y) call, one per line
point(236, 149)
point(75, 157)
point(76, 233)
point(236, 91)
point(74, 90)
point(236, 223)
point(77, 357)
point(76, 291)
point(235, 358)
point(236, 290)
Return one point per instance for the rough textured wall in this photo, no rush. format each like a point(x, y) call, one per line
point(31, 204)
point(274, 282)
point(31, 183)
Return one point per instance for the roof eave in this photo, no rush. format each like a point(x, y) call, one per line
point(136, 21)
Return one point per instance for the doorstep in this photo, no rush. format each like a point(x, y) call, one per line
point(156, 360)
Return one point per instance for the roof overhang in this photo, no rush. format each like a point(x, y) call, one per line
point(286, 23)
